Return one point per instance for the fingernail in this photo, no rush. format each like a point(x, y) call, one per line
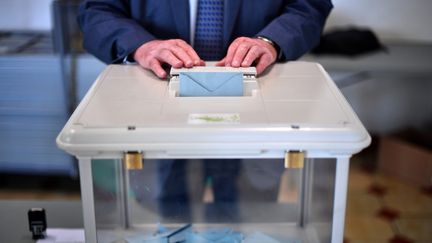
point(235, 63)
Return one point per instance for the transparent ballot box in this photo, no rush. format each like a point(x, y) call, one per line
point(270, 165)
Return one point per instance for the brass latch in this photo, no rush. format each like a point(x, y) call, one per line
point(133, 160)
point(294, 160)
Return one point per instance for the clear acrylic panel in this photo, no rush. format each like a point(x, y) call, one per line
point(213, 200)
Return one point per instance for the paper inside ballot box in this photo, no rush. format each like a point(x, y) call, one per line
point(196, 84)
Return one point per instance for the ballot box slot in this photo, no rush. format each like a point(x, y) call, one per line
point(250, 88)
point(213, 82)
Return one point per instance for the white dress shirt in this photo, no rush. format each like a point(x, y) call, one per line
point(193, 6)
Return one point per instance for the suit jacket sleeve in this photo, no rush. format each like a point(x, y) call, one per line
point(299, 27)
point(109, 31)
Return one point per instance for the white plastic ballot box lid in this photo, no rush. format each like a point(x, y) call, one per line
point(295, 107)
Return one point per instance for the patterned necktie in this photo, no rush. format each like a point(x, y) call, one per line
point(208, 30)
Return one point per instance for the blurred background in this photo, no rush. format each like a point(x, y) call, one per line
point(44, 73)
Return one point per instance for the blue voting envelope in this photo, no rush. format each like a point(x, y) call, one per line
point(223, 235)
point(259, 237)
point(211, 84)
point(162, 235)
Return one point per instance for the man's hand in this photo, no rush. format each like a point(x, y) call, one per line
point(177, 53)
point(244, 51)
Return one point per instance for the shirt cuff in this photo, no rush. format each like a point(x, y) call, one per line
point(128, 60)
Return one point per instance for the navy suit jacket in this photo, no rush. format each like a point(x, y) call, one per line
point(114, 29)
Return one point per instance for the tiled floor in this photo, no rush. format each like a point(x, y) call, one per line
point(383, 209)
